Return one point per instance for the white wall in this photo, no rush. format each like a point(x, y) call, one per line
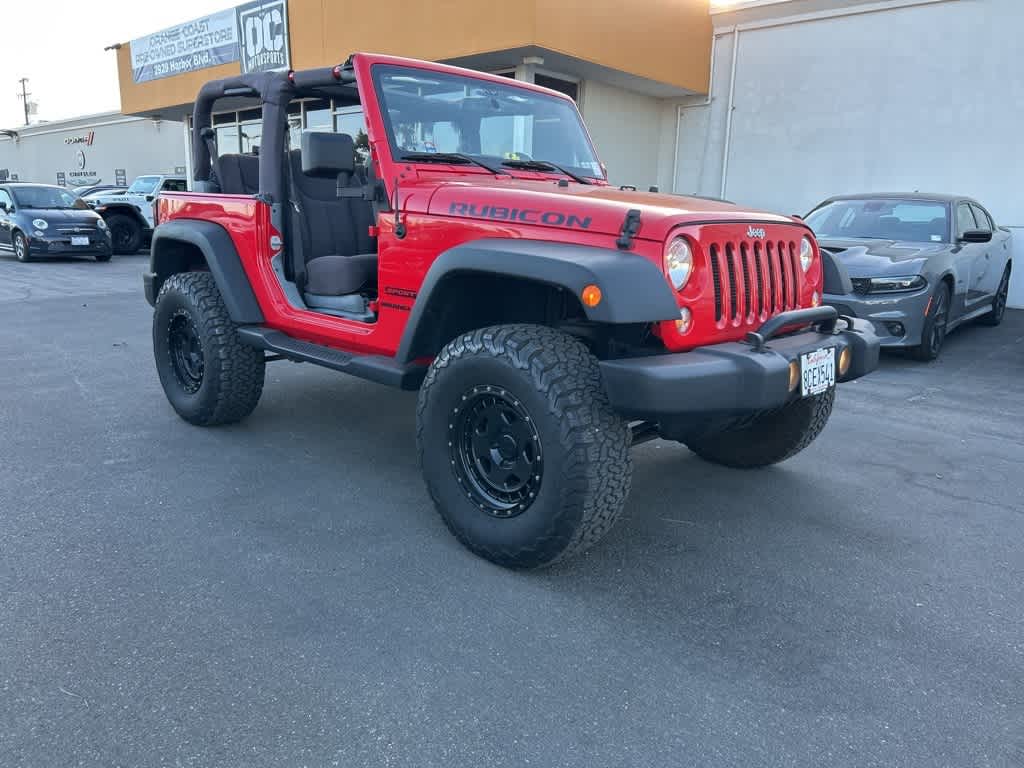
point(137, 145)
point(627, 131)
point(927, 98)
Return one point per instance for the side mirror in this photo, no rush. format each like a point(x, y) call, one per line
point(976, 236)
point(150, 198)
point(3, 207)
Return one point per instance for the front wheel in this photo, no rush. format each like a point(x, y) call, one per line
point(771, 437)
point(21, 247)
point(125, 234)
point(933, 335)
point(521, 452)
point(208, 375)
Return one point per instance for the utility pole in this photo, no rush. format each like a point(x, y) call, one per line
point(24, 97)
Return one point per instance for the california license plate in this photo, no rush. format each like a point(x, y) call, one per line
point(80, 240)
point(817, 371)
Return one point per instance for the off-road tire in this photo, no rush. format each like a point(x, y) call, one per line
point(933, 334)
point(771, 437)
point(232, 378)
point(995, 317)
point(119, 223)
point(20, 245)
point(584, 445)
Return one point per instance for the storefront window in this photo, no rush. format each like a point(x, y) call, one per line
point(318, 116)
point(227, 139)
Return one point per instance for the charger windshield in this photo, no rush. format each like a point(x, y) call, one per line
point(882, 219)
point(486, 123)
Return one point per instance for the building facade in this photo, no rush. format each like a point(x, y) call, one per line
point(773, 103)
point(108, 148)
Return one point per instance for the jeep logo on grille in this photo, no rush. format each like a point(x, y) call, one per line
point(757, 232)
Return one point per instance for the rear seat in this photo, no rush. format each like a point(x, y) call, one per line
point(239, 174)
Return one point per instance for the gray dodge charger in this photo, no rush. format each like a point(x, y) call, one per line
point(919, 265)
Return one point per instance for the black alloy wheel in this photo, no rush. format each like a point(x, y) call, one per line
point(495, 450)
point(186, 352)
point(939, 321)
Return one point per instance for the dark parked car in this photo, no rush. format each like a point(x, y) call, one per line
point(919, 265)
point(44, 220)
point(108, 188)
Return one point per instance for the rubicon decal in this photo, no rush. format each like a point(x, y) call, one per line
point(86, 139)
point(524, 215)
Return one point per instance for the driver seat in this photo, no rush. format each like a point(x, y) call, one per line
point(340, 254)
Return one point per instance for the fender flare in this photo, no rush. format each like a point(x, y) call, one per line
point(633, 288)
point(221, 257)
point(127, 209)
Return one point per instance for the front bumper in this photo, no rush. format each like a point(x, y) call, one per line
point(54, 246)
point(898, 319)
point(729, 379)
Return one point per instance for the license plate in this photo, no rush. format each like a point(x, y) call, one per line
point(817, 371)
point(80, 240)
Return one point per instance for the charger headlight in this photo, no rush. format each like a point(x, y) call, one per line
point(678, 262)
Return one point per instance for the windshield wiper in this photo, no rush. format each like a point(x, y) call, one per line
point(449, 157)
point(545, 165)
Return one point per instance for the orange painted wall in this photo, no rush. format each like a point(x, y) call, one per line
point(664, 40)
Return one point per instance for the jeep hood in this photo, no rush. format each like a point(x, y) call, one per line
point(581, 207)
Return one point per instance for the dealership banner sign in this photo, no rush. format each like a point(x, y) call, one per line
point(188, 47)
point(254, 33)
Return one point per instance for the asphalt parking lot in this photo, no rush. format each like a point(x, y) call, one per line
point(281, 593)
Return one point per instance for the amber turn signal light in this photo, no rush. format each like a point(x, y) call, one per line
point(591, 296)
point(845, 358)
point(794, 374)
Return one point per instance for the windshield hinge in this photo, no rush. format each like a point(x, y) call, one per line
point(630, 226)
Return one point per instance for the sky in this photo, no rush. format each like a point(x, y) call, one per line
point(58, 45)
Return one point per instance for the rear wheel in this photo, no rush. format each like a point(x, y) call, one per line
point(771, 437)
point(995, 317)
point(522, 454)
point(125, 233)
point(933, 335)
point(20, 243)
point(208, 375)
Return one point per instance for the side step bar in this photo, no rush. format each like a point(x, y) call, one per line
point(376, 368)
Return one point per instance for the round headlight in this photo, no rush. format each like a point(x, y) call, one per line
point(101, 224)
point(39, 224)
point(678, 262)
point(806, 254)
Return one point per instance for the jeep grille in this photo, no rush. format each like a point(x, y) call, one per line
point(753, 279)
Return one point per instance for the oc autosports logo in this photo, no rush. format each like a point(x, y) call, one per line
point(263, 33)
point(757, 232)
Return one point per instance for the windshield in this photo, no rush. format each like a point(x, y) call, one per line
point(436, 113)
point(144, 185)
point(46, 197)
point(921, 221)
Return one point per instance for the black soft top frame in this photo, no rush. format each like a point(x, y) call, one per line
point(274, 90)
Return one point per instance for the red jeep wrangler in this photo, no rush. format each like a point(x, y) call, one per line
point(469, 245)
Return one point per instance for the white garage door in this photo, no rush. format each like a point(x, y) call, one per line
point(927, 98)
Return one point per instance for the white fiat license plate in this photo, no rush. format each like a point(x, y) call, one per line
point(80, 240)
point(817, 371)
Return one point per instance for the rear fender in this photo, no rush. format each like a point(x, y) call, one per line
point(177, 247)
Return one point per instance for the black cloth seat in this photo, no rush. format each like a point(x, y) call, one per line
point(239, 174)
point(339, 252)
point(336, 275)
